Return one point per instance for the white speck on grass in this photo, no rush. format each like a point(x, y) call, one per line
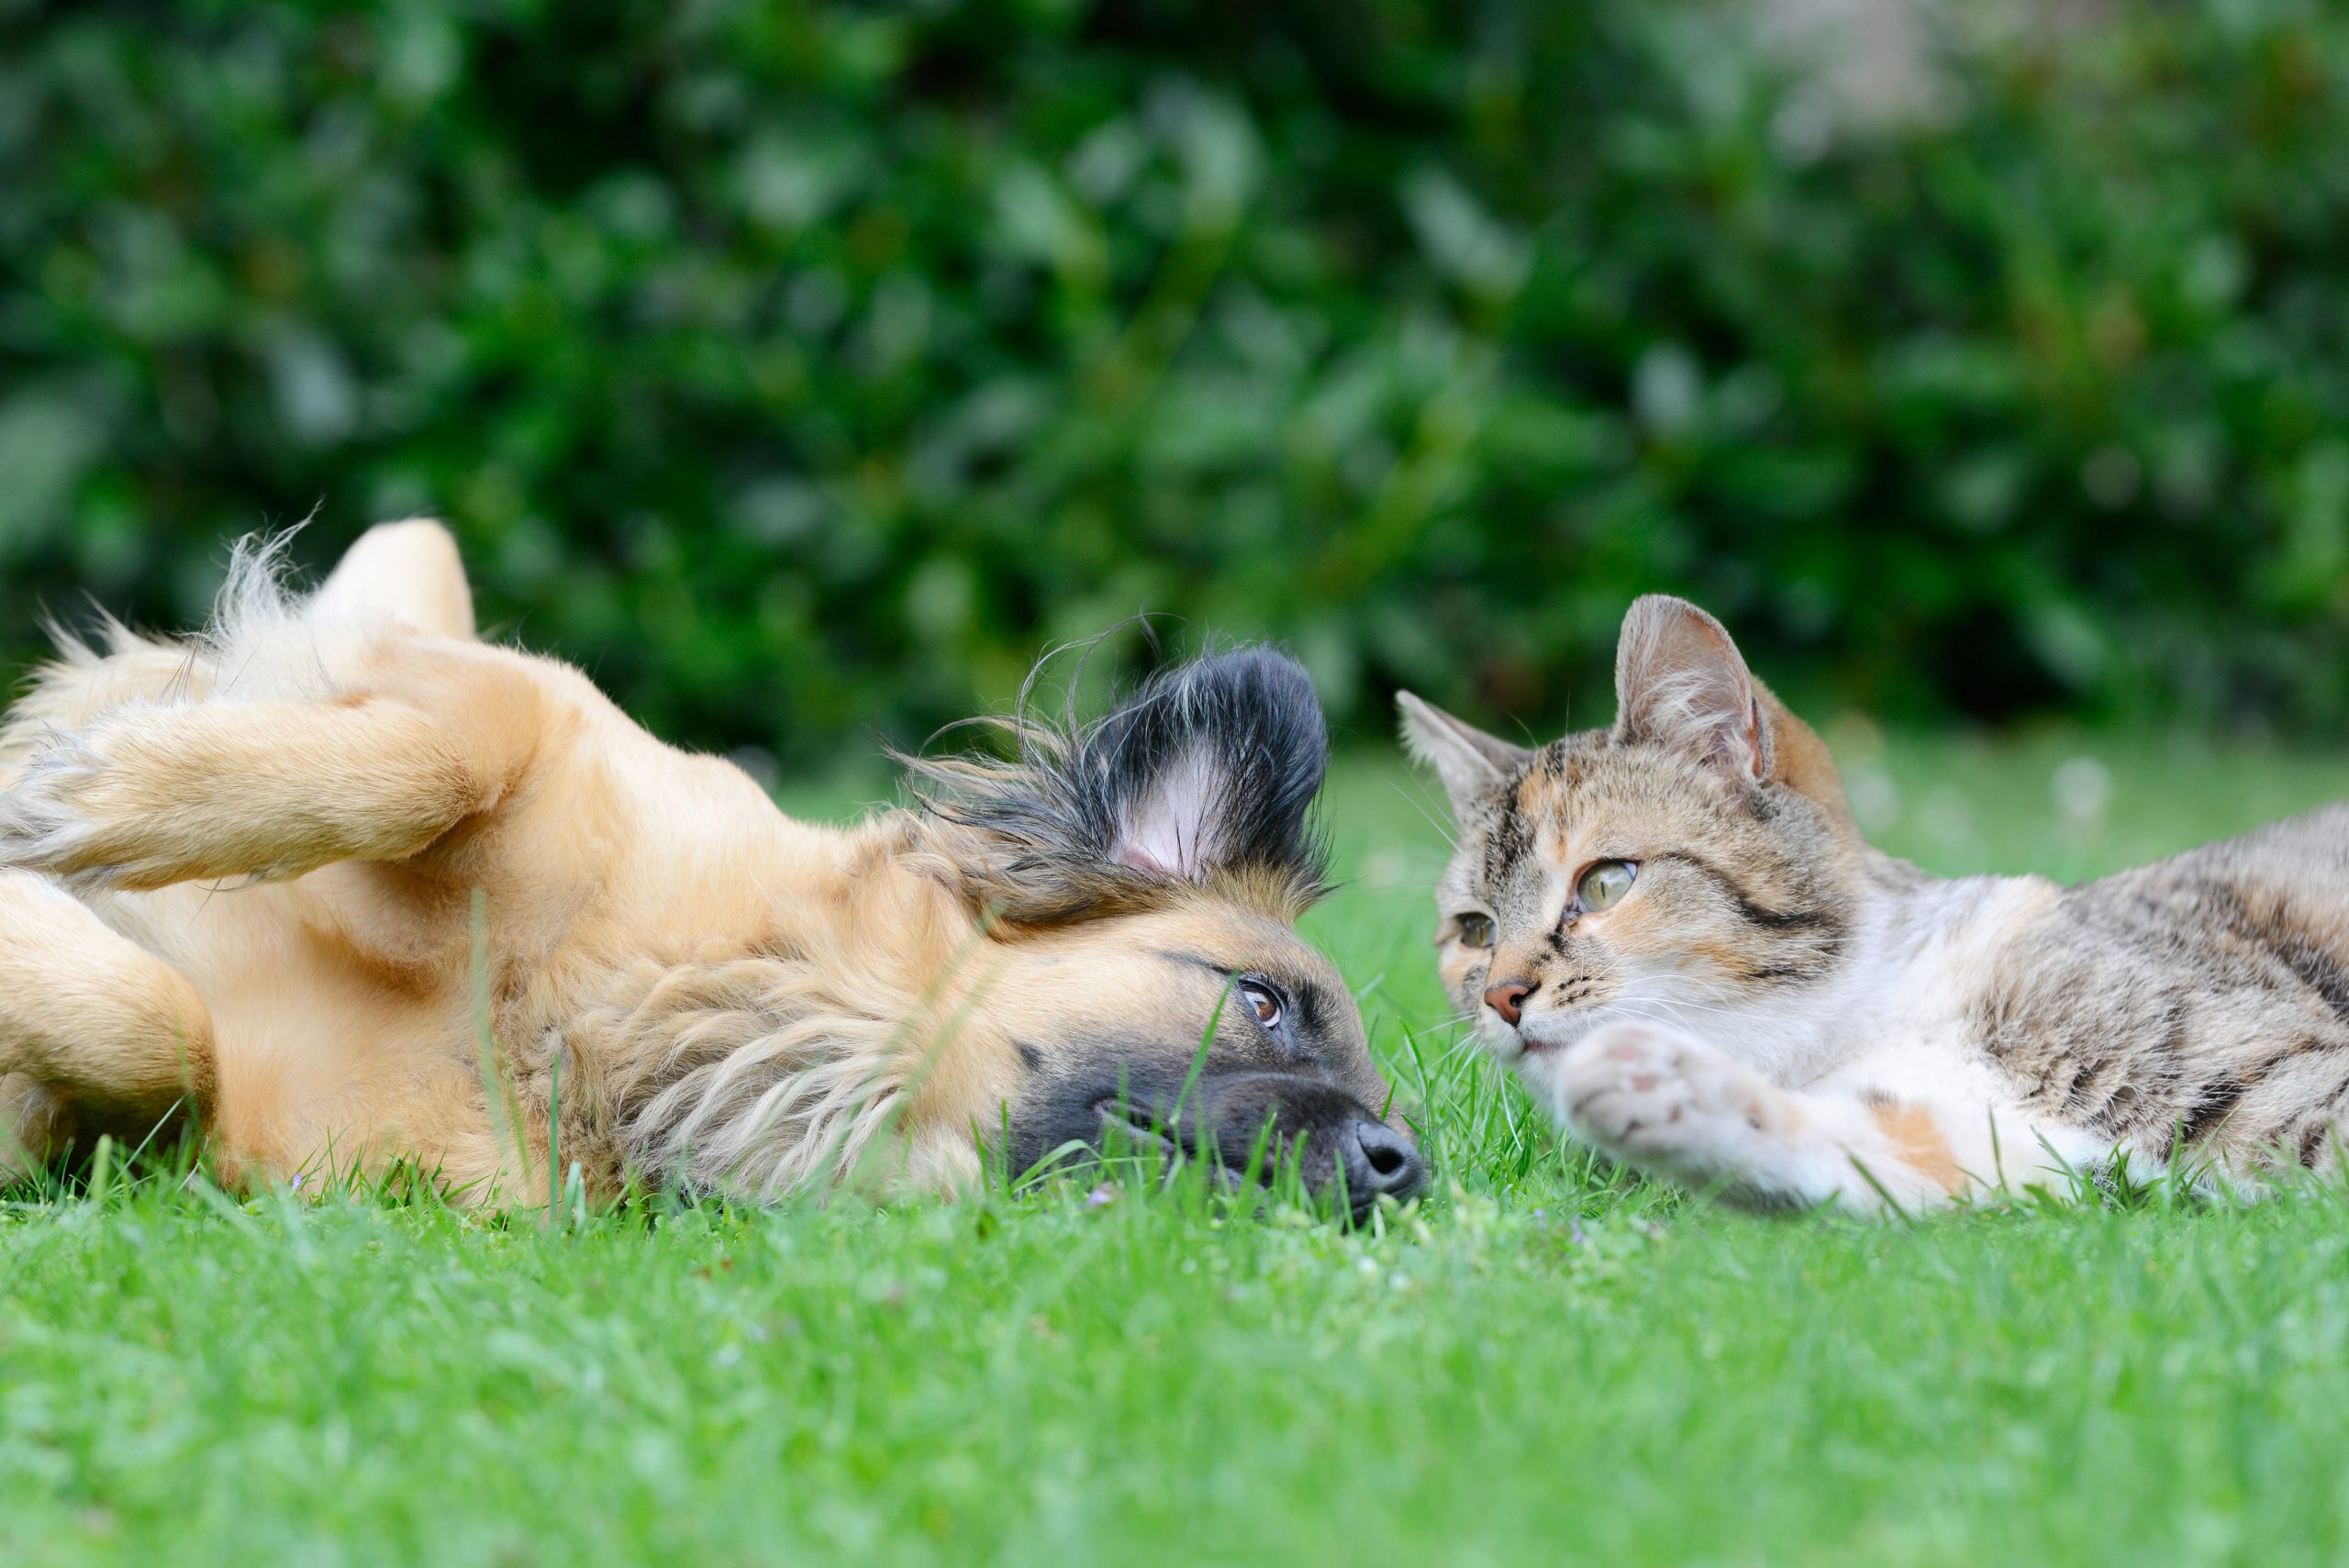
point(2082, 790)
point(1875, 799)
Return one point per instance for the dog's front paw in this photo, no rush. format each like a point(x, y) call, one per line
point(45, 823)
point(1654, 1097)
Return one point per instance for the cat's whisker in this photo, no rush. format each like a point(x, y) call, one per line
point(1443, 828)
point(1687, 1010)
point(1680, 1005)
point(1642, 1013)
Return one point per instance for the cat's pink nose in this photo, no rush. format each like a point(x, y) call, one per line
point(1508, 998)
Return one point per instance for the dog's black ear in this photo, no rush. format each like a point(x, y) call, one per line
point(1212, 767)
point(1207, 771)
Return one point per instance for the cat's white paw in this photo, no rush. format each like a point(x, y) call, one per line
point(1654, 1097)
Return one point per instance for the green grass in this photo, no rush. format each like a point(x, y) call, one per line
point(1545, 1366)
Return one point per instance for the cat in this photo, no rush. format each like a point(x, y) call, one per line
point(1675, 932)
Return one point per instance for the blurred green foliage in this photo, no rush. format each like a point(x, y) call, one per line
point(803, 368)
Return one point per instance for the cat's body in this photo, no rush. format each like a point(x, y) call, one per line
point(1676, 932)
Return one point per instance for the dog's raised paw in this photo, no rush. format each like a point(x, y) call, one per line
point(43, 825)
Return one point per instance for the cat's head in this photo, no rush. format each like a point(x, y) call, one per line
point(1697, 856)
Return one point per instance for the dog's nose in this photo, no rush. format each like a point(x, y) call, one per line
point(1381, 1162)
point(1508, 998)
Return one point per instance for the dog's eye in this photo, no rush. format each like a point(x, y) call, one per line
point(1262, 1000)
point(1604, 883)
point(1475, 931)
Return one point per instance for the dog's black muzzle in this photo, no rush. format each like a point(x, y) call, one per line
point(1239, 1119)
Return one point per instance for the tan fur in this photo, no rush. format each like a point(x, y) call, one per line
point(276, 840)
point(1917, 1143)
point(108, 1023)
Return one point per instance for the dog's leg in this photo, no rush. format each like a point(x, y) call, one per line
point(150, 795)
point(89, 1021)
point(1671, 1105)
point(36, 1126)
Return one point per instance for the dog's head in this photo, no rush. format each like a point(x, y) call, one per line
point(1141, 878)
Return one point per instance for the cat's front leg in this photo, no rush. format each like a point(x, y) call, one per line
point(1671, 1105)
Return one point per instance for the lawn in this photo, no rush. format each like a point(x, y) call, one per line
point(1545, 1365)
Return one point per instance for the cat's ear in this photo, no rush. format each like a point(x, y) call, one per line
point(1679, 682)
point(1471, 763)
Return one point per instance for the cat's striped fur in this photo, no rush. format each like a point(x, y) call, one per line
point(1777, 1011)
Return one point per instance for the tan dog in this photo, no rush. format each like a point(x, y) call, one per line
point(328, 871)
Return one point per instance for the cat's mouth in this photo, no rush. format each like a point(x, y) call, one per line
point(1541, 1034)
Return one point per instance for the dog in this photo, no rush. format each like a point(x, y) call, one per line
point(359, 891)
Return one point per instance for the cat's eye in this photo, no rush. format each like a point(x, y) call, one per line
point(1262, 1000)
point(1604, 883)
point(1475, 931)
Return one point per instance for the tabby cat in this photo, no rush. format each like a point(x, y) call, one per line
point(1675, 932)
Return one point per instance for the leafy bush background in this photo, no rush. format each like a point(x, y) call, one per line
point(806, 368)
